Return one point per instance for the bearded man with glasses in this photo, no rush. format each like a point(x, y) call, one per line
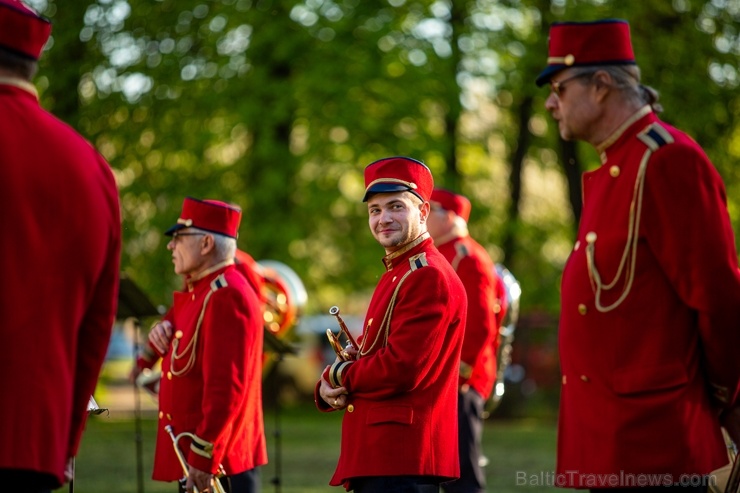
point(650, 295)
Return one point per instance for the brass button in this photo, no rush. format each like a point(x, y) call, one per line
point(169, 416)
point(569, 60)
point(614, 171)
point(577, 245)
point(582, 309)
point(351, 408)
point(585, 378)
point(161, 414)
point(565, 380)
point(169, 375)
point(178, 334)
point(591, 237)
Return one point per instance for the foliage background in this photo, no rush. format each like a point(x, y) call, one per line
point(277, 105)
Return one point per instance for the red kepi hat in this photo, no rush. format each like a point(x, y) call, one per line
point(209, 215)
point(22, 29)
point(580, 44)
point(398, 174)
point(449, 201)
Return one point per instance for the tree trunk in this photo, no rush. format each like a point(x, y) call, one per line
point(453, 176)
point(515, 177)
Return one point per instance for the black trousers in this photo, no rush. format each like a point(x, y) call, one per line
point(470, 433)
point(395, 484)
point(244, 482)
point(28, 481)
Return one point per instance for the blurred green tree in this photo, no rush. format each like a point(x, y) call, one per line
point(277, 105)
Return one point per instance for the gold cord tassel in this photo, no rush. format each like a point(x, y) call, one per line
point(630, 248)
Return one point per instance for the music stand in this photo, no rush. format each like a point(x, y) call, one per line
point(133, 304)
point(92, 408)
point(280, 348)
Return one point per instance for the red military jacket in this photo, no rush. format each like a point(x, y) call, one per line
point(212, 386)
point(649, 328)
point(60, 261)
point(486, 308)
point(401, 417)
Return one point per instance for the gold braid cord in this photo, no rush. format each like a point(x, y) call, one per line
point(190, 350)
point(385, 325)
point(630, 248)
point(417, 262)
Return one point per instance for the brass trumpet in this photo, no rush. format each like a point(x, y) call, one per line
point(334, 339)
point(216, 485)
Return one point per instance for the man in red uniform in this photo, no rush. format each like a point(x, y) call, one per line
point(650, 304)
point(210, 343)
point(448, 226)
point(60, 262)
point(399, 391)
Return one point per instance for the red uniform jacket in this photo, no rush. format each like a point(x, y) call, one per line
point(642, 381)
point(219, 398)
point(60, 262)
point(486, 308)
point(401, 417)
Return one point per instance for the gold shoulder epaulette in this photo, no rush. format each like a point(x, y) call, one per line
point(655, 136)
point(418, 261)
point(218, 283)
point(461, 251)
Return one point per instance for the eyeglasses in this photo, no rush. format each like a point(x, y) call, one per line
point(177, 234)
point(557, 86)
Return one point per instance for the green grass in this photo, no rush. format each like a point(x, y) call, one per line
point(309, 444)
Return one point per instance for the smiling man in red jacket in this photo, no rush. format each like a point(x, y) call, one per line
point(650, 298)
point(399, 391)
point(60, 252)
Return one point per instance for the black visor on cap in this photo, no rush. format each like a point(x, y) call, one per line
point(388, 188)
point(547, 74)
point(176, 227)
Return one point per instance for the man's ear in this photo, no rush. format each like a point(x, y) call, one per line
point(603, 83)
point(209, 243)
point(424, 210)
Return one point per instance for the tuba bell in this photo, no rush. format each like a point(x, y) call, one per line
point(283, 296)
point(506, 334)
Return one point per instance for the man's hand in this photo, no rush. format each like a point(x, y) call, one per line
point(336, 398)
point(199, 479)
point(351, 351)
point(161, 335)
